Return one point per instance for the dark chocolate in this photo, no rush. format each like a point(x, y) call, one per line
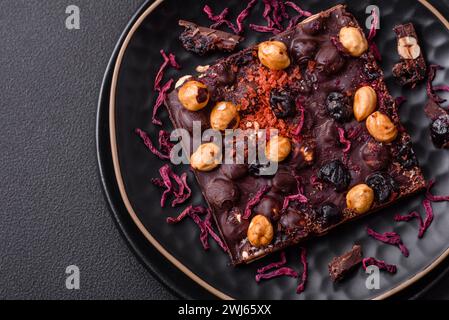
point(409, 71)
point(344, 264)
point(202, 40)
point(318, 69)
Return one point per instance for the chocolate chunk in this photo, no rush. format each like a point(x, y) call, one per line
point(375, 155)
point(270, 207)
point(412, 68)
point(329, 60)
point(202, 40)
point(222, 193)
point(234, 171)
point(284, 182)
point(342, 265)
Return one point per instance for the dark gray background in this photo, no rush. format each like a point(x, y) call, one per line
point(52, 209)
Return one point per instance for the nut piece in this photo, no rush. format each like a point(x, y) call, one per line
point(182, 80)
point(260, 231)
point(193, 95)
point(274, 55)
point(353, 40)
point(224, 116)
point(206, 158)
point(365, 102)
point(278, 148)
point(360, 198)
point(408, 48)
point(381, 127)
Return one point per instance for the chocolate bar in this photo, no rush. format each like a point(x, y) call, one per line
point(341, 149)
point(340, 266)
point(412, 68)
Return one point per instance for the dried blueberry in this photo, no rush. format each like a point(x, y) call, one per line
point(328, 215)
point(439, 131)
point(406, 156)
point(338, 107)
point(282, 104)
point(336, 174)
point(303, 50)
point(383, 185)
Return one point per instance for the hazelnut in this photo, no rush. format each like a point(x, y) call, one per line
point(224, 116)
point(182, 80)
point(408, 48)
point(273, 55)
point(381, 127)
point(360, 198)
point(353, 40)
point(260, 231)
point(365, 102)
point(193, 95)
point(278, 148)
point(206, 158)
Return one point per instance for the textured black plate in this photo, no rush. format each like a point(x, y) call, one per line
point(135, 165)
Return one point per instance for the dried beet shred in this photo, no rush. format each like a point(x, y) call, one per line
point(374, 25)
point(149, 144)
point(181, 191)
point(302, 286)
point(165, 145)
point(409, 217)
point(391, 238)
point(431, 197)
point(295, 197)
point(212, 233)
point(433, 68)
point(255, 200)
point(300, 125)
point(274, 265)
point(300, 11)
point(243, 15)
point(382, 265)
point(283, 271)
point(428, 219)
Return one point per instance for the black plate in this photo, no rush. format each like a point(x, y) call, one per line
point(134, 98)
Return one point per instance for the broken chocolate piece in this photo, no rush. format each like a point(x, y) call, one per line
point(342, 265)
point(202, 40)
point(412, 68)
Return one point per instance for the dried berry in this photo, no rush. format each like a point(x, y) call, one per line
point(406, 156)
point(371, 72)
point(338, 107)
point(383, 185)
point(439, 131)
point(282, 104)
point(336, 174)
point(328, 215)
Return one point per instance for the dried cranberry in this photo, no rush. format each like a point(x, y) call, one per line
point(303, 50)
point(406, 156)
point(336, 174)
point(328, 215)
point(439, 131)
point(338, 107)
point(282, 104)
point(383, 185)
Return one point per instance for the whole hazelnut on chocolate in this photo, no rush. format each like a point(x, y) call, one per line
point(274, 55)
point(260, 231)
point(224, 116)
point(365, 102)
point(353, 40)
point(193, 95)
point(360, 198)
point(381, 127)
point(206, 158)
point(278, 149)
point(375, 155)
point(222, 194)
